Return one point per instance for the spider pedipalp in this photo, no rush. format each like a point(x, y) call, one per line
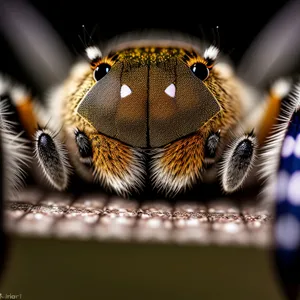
point(211, 146)
point(84, 146)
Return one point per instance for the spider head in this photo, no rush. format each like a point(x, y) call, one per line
point(148, 97)
point(168, 100)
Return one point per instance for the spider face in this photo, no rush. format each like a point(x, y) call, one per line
point(167, 104)
point(157, 112)
point(148, 98)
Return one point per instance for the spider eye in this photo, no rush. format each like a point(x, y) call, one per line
point(101, 71)
point(200, 70)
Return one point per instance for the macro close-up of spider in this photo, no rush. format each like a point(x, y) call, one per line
point(153, 124)
point(148, 111)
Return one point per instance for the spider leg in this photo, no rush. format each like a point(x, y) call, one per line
point(240, 158)
point(51, 154)
point(237, 162)
point(38, 128)
point(270, 148)
point(279, 89)
point(15, 146)
point(52, 158)
point(240, 165)
point(24, 106)
point(263, 115)
point(20, 103)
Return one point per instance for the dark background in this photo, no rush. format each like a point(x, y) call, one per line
point(239, 24)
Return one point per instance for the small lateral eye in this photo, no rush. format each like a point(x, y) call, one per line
point(200, 70)
point(101, 71)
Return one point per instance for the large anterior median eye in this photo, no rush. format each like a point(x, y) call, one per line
point(101, 71)
point(200, 70)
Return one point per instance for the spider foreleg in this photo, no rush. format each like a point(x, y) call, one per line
point(15, 146)
point(279, 89)
point(238, 161)
point(52, 158)
point(263, 115)
point(21, 102)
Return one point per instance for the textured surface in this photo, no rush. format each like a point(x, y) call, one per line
point(59, 269)
point(102, 217)
point(96, 245)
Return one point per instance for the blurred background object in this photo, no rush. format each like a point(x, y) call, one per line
point(71, 28)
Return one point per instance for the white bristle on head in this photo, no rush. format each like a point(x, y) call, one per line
point(211, 52)
point(93, 53)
